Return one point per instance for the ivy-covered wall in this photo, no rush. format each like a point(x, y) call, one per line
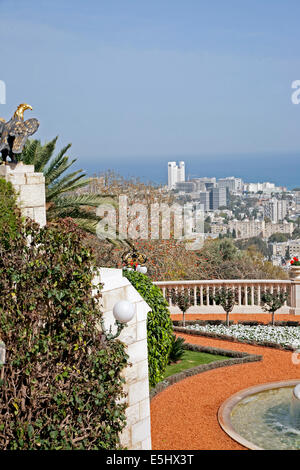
point(159, 325)
point(61, 386)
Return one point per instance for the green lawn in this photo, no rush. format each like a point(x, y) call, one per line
point(192, 359)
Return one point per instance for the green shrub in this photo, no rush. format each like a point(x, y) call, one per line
point(61, 385)
point(159, 325)
point(8, 212)
point(177, 350)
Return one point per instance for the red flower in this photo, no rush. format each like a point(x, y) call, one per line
point(295, 258)
point(292, 262)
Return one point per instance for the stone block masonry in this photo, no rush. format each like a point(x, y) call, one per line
point(30, 189)
point(137, 434)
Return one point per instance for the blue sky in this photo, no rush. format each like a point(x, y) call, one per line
point(133, 83)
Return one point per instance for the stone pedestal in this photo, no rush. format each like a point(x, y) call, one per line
point(137, 434)
point(30, 189)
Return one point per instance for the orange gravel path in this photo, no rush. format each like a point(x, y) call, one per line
point(184, 416)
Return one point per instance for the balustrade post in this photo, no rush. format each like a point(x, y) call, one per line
point(295, 297)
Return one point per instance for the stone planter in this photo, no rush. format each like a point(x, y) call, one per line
point(295, 273)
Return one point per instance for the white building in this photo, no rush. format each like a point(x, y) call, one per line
point(176, 174)
point(232, 183)
point(275, 209)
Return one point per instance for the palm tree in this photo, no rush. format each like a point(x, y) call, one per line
point(61, 198)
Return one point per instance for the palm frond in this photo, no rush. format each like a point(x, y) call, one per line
point(43, 155)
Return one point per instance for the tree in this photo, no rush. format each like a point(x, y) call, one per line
point(226, 298)
point(273, 301)
point(62, 201)
point(278, 237)
point(183, 300)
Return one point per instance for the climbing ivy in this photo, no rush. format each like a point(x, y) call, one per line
point(159, 325)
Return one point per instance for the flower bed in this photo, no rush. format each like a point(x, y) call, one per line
point(281, 335)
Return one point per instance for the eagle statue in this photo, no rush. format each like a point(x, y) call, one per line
point(15, 132)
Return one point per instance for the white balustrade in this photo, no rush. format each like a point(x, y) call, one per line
point(248, 294)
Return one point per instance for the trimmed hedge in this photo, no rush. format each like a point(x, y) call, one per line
point(159, 325)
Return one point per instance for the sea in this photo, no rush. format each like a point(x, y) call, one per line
point(282, 169)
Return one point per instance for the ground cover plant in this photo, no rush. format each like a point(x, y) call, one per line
point(281, 335)
point(192, 359)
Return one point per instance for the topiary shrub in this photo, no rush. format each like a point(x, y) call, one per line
point(61, 385)
point(159, 325)
point(8, 212)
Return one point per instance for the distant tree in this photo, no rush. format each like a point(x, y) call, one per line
point(287, 253)
point(296, 233)
point(256, 242)
point(273, 301)
point(278, 237)
point(207, 227)
point(226, 298)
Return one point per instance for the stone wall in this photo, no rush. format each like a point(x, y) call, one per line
point(137, 434)
point(30, 189)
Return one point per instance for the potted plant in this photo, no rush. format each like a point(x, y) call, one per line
point(295, 268)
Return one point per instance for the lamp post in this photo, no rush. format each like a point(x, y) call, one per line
point(123, 312)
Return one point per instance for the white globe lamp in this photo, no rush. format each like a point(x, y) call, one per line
point(123, 311)
point(141, 269)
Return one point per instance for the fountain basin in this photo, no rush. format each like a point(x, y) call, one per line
point(264, 417)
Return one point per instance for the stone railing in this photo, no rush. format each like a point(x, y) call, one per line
point(248, 294)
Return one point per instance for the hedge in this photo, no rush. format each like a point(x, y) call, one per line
point(159, 325)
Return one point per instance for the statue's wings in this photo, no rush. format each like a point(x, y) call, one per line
point(21, 130)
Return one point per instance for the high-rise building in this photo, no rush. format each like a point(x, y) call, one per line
point(218, 198)
point(204, 200)
point(231, 183)
point(186, 186)
point(275, 209)
point(176, 174)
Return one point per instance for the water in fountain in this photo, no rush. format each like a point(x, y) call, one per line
point(295, 408)
point(270, 419)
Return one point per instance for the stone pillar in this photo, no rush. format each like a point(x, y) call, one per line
point(137, 434)
point(295, 297)
point(30, 189)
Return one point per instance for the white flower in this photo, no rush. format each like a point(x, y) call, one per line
point(282, 335)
